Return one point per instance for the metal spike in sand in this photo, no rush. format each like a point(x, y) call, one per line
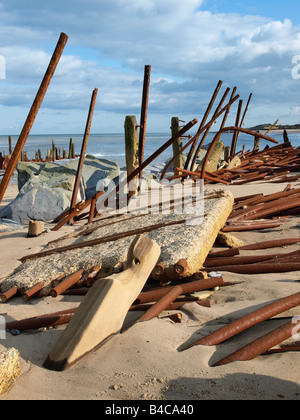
point(103, 310)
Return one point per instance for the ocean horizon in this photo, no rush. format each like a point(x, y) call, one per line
point(111, 146)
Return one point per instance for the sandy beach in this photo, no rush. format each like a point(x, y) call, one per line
point(143, 362)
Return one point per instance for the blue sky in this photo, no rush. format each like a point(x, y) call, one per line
point(274, 9)
point(190, 44)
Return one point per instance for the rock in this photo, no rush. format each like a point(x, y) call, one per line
point(234, 163)
point(214, 158)
point(39, 203)
point(46, 189)
point(9, 369)
point(229, 240)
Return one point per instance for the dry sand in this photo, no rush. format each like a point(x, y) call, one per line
point(143, 362)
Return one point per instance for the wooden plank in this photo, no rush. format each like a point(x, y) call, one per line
point(103, 310)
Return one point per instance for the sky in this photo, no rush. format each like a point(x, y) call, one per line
point(190, 45)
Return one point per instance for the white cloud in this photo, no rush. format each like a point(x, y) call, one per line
point(189, 49)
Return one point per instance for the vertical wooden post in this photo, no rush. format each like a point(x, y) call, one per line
point(132, 151)
point(53, 151)
point(70, 148)
point(83, 151)
point(10, 145)
point(177, 145)
point(32, 114)
point(144, 113)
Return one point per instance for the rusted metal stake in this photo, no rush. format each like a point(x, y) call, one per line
point(43, 321)
point(248, 321)
point(4, 297)
point(262, 344)
point(35, 290)
point(162, 304)
point(144, 112)
point(32, 114)
point(83, 151)
point(67, 283)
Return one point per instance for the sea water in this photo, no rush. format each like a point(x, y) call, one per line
point(112, 146)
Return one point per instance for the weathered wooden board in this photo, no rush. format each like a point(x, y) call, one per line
point(102, 312)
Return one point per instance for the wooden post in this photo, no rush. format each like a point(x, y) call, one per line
point(10, 145)
point(73, 155)
point(70, 148)
point(177, 145)
point(32, 114)
point(144, 112)
point(132, 151)
point(257, 140)
point(83, 151)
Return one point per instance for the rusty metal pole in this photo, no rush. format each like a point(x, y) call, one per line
point(244, 323)
point(262, 344)
point(204, 119)
point(32, 114)
point(235, 134)
point(83, 151)
point(144, 113)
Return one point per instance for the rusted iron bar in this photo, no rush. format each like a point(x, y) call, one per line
point(262, 344)
point(4, 297)
point(151, 158)
point(144, 111)
point(228, 109)
point(181, 266)
point(284, 348)
point(215, 262)
point(260, 268)
point(83, 151)
point(204, 119)
point(105, 239)
point(190, 287)
point(196, 153)
point(161, 304)
point(42, 321)
point(217, 137)
point(200, 131)
point(76, 211)
point(243, 227)
point(236, 133)
point(145, 307)
point(32, 114)
point(68, 282)
point(289, 204)
point(33, 291)
point(248, 321)
point(256, 246)
point(197, 174)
